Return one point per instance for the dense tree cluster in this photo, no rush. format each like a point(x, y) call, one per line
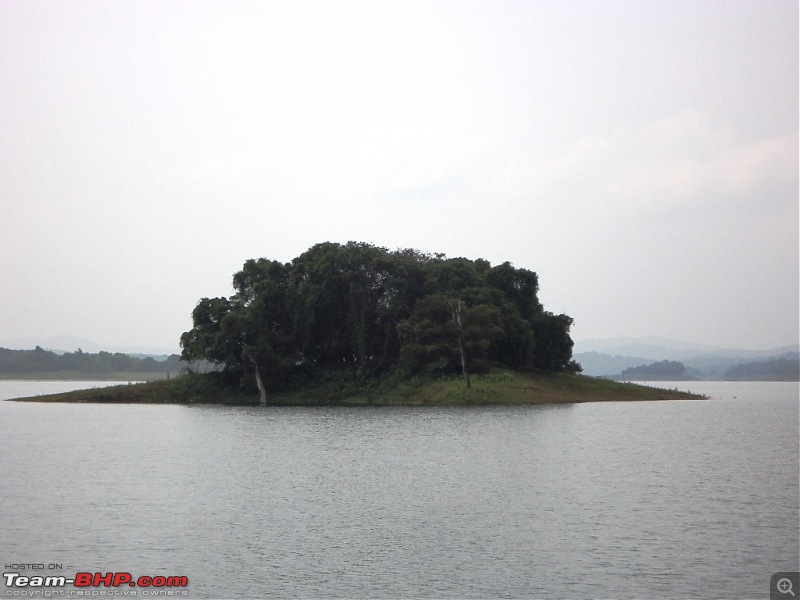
point(665, 370)
point(45, 361)
point(366, 309)
point(776, 369)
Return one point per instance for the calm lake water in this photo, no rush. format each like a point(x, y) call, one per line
point(681, 499)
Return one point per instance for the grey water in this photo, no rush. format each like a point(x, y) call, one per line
point(674, 499)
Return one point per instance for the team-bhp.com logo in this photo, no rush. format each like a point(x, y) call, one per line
point(155, 585)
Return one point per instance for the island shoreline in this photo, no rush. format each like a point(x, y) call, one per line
point(497, 389)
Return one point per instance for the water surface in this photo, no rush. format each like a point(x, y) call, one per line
point(682, 499)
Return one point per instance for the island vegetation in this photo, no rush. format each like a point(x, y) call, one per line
point(665, 370)
point(359, 324)
point(783, 368)
point(360, 312)
point(498, 388)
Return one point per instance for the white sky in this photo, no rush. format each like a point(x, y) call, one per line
point(640, 156)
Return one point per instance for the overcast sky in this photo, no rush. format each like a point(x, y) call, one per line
point(640, 156)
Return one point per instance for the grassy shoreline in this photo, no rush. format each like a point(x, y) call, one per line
point(495, 389)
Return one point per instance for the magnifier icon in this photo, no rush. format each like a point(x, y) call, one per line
point(784, 586)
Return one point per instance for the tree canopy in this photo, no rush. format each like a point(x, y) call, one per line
point(365, 309)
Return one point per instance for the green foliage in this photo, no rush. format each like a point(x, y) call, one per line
point(368, 311)
point(552, 349)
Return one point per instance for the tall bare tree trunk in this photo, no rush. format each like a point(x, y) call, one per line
point(456, 310)
point(262, 393)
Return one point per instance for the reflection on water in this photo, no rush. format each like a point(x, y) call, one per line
point(629, 500)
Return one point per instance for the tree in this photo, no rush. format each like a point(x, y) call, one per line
point(426, 337)
point(444, 336)
point(455, 309)
point(519, 287)
point(552, 344)
point(366, 310)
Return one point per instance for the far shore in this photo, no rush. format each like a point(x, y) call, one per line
point(78, 376)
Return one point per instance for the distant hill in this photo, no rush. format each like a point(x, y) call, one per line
point(665, 370)
point(39, 360)
point(44, 363)
point(599, 364)
point(66, 343)
point(611, 357)
point(777, 369)
point(648, 347)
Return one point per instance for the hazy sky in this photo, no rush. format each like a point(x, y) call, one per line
point(640, 156)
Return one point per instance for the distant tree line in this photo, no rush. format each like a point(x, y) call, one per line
point(785, 368)
point(777, 369)
point(665, 370)
point(367, 310)
point(45, 361)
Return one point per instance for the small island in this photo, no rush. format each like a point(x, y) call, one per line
point(355, 324)
point(499, 388)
